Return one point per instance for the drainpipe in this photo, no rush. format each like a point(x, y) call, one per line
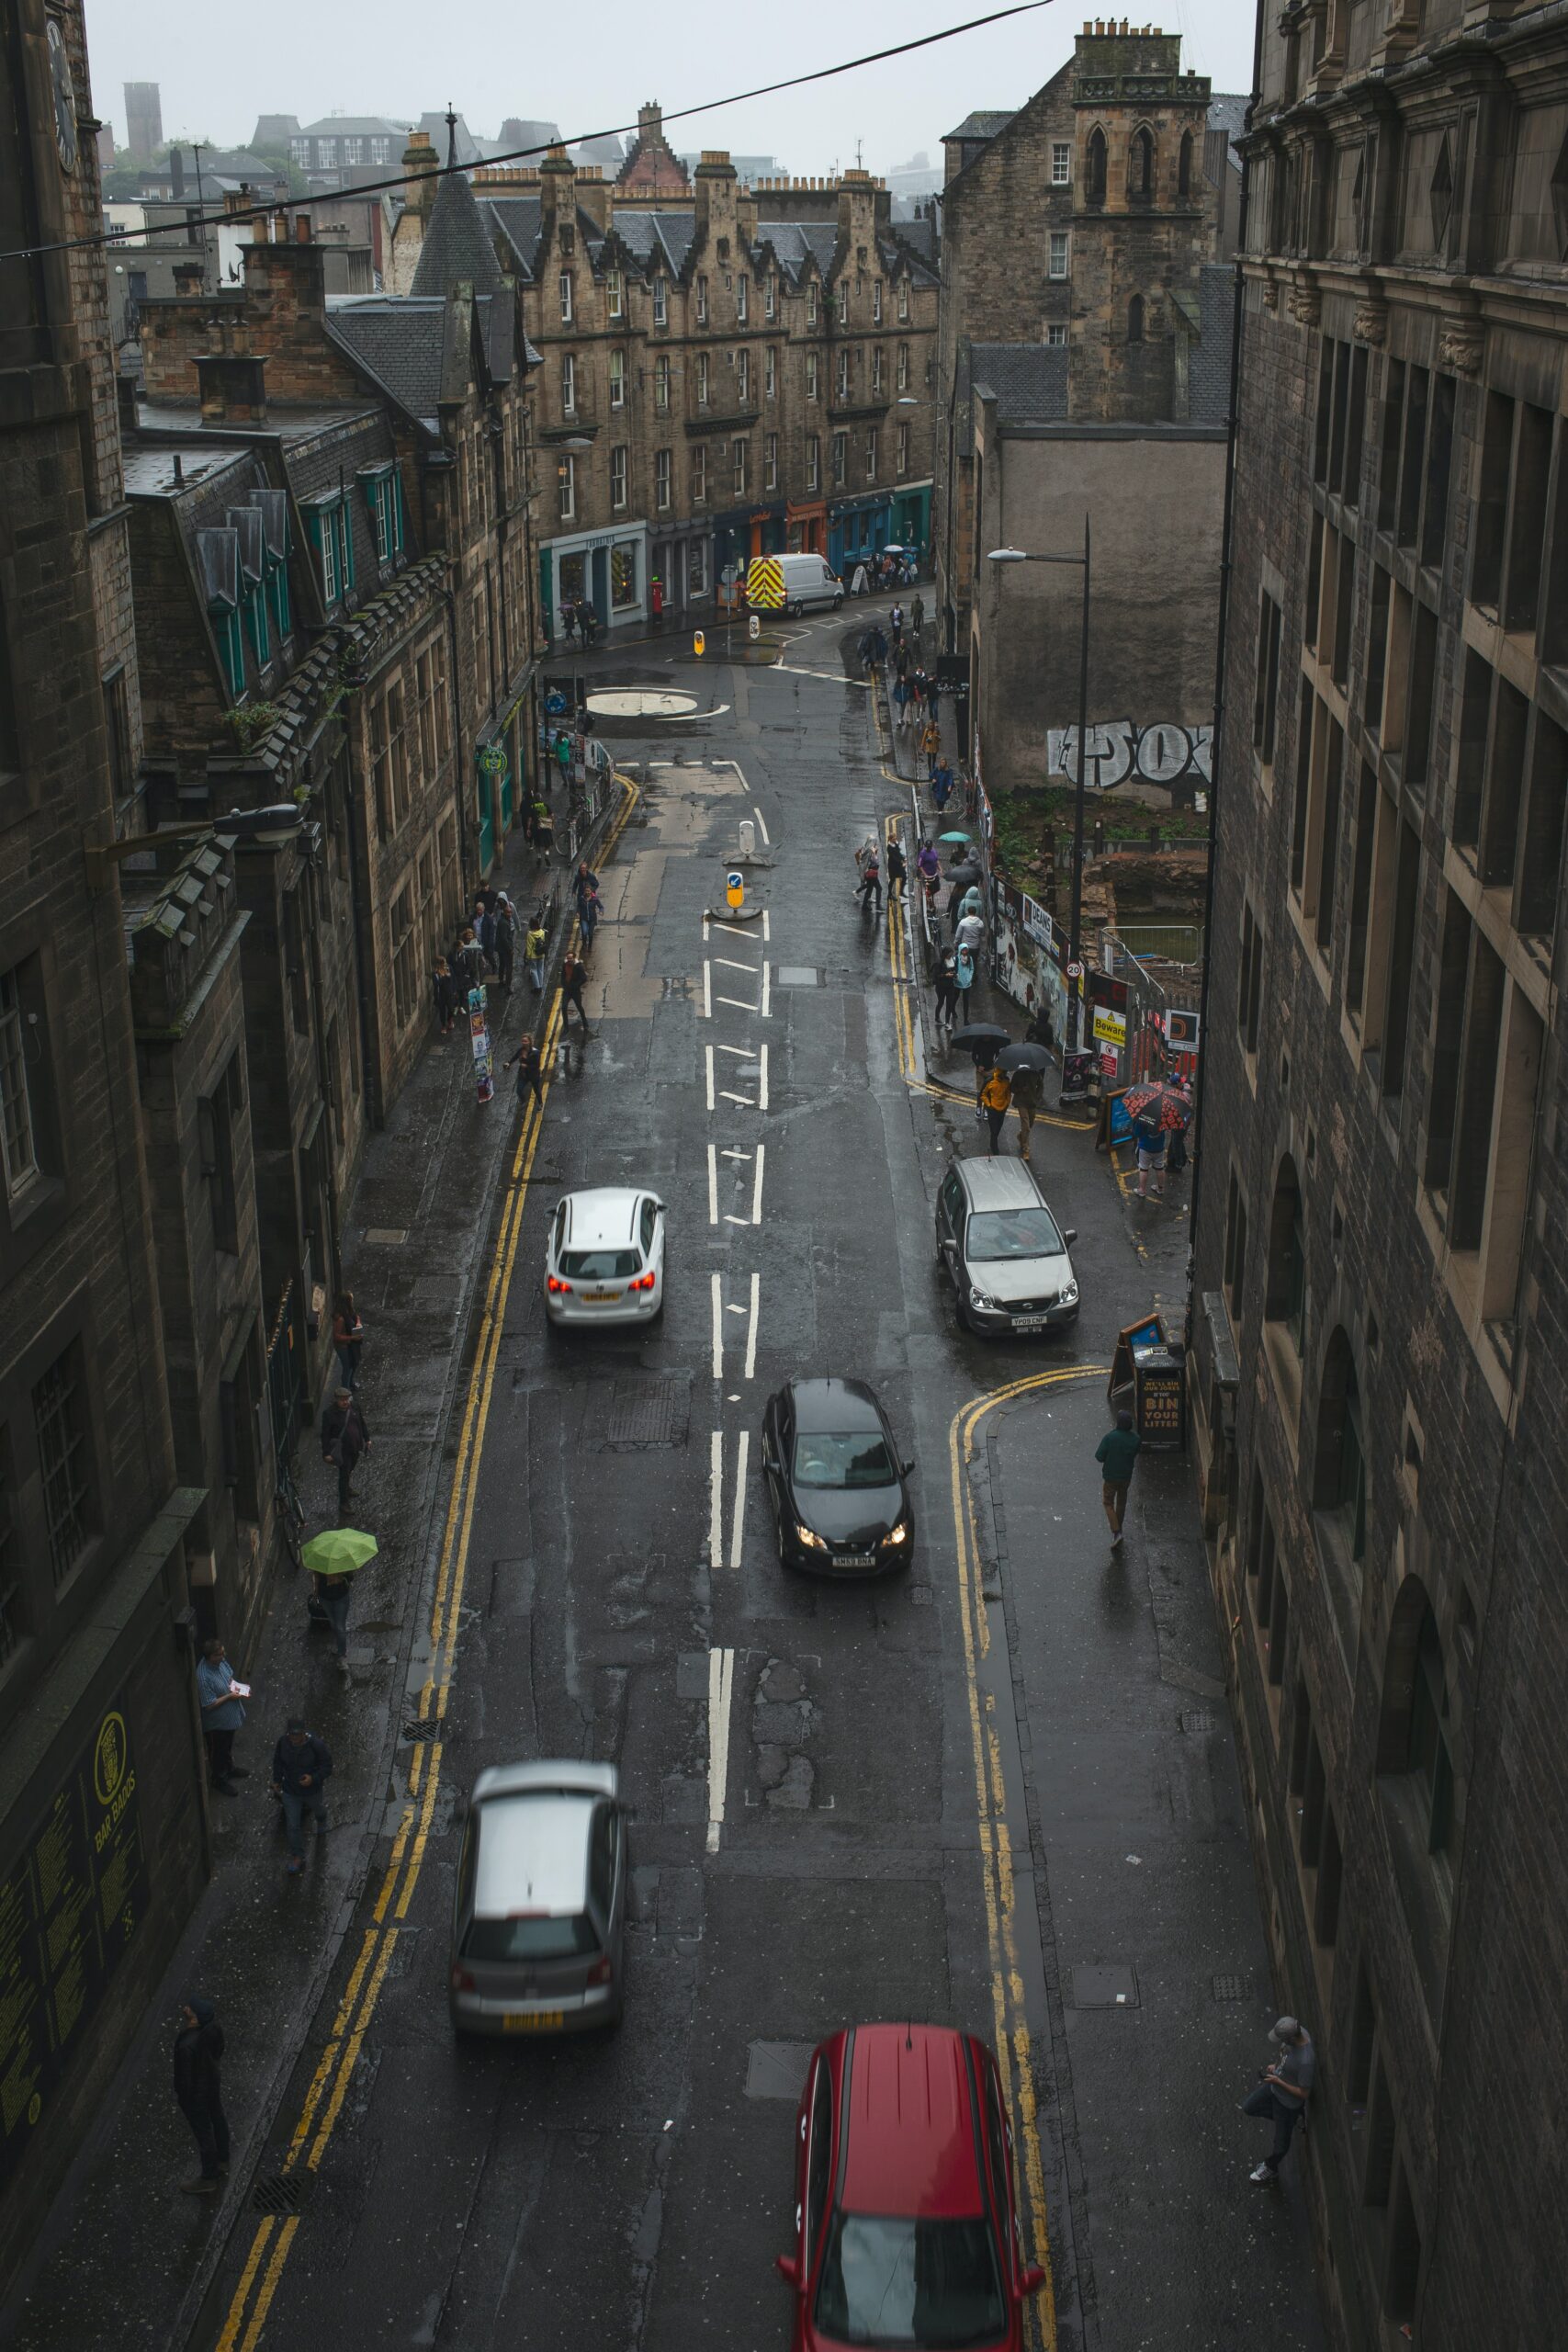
point(319, 1038)
point(359, 910)
point(459, 763)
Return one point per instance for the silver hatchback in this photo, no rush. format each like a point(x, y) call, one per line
point(538, 1928)
point(1006, 1254)
point(604, 1262)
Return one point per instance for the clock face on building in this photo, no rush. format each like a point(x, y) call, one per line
point(64, 91)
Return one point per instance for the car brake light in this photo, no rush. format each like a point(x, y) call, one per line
point(555, 1285)
point(601, 1972)
point(642, 1282)
point(461, 1980)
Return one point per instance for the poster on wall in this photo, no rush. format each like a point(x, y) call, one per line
point(484, 1054)
point(70, 1904)
point(1027, 955)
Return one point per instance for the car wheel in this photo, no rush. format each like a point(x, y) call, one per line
point(837, 601)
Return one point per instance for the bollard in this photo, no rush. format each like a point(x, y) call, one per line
point(748, 838)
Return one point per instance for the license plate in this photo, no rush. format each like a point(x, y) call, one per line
point(532, 2020)
point(854, 1559)
point(1030, 1322)
point(601, 1297)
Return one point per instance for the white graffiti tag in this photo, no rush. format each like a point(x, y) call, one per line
point(1162, 753)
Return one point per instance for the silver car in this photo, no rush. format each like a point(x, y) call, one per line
point(1003, 1249)
point(604, 1262)
point(538, 1928)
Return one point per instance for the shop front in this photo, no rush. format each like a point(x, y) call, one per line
point(605, 568)
point(746, 531)
point(806, 528)
point(502, 759)
point(681, 562)
point(858, 527)
point(912, 518)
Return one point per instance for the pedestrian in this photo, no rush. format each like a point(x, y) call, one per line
point(1116, 1452)
point(582, 881)
point(901, 703)
point(470, 962)
point(526, 1059)
point(534, 951)
point(930, 745)
point(345, 1438)
point(871, 881)
point(568, 622)
point(300, 1766)
point(484, 931)
point(895, 623)
point(574, 973)
point(996, 1099)
point(941, 784)
point(505, 922)
point(1026, 1101)
point(1282, 2092)
point(444, 988)
point(544, 832)
point(348, 1338)
point(199, 2050)
point(222, 1714)
point(969, 937)
point(656, 598)
point(901, 657)
point(933, 697)
point(898, 871)
point(589, 921)
point(332, 1604)
point(563, 755)
point(946, 993)
point(1151, 1140)
point(917, 614)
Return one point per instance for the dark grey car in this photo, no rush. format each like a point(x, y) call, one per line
point(540, 1921)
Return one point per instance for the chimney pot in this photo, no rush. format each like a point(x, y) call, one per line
point(303, 230)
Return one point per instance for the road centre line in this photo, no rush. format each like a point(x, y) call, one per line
point(752, 1327)
point(710, 1076)
point(763, 1080)
point(713, 1185)
point(766, 932)
point(716, 1499)
point(707, 991)
point(757, 1187)
point(761, 825)
point(767, 987)
point(717, 1330)
point(737, 1521)
point(721, 1685)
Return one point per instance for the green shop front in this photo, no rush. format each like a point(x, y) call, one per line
point(503, 758)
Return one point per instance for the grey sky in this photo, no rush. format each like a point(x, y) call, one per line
point(219, 69)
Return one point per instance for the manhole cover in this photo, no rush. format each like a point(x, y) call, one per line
point(1197, 1719)
point(1104, 1988)
point(1230, 1988)
point(647, 1412)
point(797, 976)
point(640, 702)
point(776, 2069)
point(284, 2192)
point(391, 1237)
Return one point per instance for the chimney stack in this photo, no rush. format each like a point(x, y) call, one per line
point(233, 387)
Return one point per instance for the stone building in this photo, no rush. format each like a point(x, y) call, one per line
point(727, 370)
point(1084, 366)
point(102, 1827)
point(1380, 1290)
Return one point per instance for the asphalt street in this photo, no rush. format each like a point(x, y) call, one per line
point(997, 1789)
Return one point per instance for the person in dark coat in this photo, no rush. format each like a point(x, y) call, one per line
point(574, 973)
point(469, 961)
point(198, 2048)
point(445, 989)
point(505, 922)
point(898, 871)
point(527, 1059)
point(300, 1766)
point(343, 1439)
point(484, 931)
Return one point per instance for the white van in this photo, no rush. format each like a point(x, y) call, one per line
point(807, 584)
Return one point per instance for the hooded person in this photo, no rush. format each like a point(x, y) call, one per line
point(197, 2054)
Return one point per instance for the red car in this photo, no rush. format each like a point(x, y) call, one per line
point(907, 2230)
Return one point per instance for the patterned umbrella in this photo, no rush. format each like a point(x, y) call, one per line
point(1169, 1107)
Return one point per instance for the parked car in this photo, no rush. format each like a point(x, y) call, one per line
point(835, 1480)
point(1003, 1249)
point(906, 2218)
point(538, 1925)
point(605, 1260)
point(807, 586)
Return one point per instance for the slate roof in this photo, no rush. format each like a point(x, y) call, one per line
point(333, 125)
point(517, 219)
point(1209, 368)
point(920, 237)
point(1029, 380)
point(398, 341)
point(796, 242)
point(1227, 112)
point(985, 123)
point(456, 249)
point(656, 236)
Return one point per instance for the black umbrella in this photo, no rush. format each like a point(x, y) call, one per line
point(980, 1037)
point(1024, 1057)
point(965, 871)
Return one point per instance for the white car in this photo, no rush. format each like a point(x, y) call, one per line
point(605, 1260)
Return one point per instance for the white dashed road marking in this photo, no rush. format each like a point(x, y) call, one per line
point(757, 1187)
point(721, 1684)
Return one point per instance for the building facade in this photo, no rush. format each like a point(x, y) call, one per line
point(1083, 366)
point(727, 370)
point(1379, 1294)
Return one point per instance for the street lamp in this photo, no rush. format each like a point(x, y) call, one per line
point(1075, 948)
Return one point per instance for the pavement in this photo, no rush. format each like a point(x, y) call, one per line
point(999, 1789)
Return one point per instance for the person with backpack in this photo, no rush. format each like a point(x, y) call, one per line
point(300, 1766)
point(898, 871)
point(505, 926)
point(996, 1100)
point(870, 882)
point(1151, 1140)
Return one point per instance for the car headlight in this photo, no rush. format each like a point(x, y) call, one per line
point(808, 1535)
point(899, 1534)
point(1069, 1294)
point(983, 1301)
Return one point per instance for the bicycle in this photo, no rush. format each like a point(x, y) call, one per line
point(291, 1513)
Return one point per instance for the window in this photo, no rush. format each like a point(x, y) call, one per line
point(381, 150)
point(742, 300)
point(567, 384)
point(903, 449)
point(771, 373)
point(811, 294)
point(844, 303)
point(1058, 252)
point(699, 474)
point(877, 371)
point(1361, 892)
point(566, 486)
point(326, 153)
point(902, 297)
point(1056, 334)
point(661, 385)
point(743, 376)
point(771, 298)
point(1235, 1247)
point(216, 1115)
point(354, 151)
point(299, 152)
point(1061, 164)
point(13, 1624)
point(619, 476)
point(842, 379)
point(903, 378)
point(701, 379)
point(661, 302)
point(1339, 1485)
point(1266, 693)
point(1249, 1005)
point(701, 301)
point(770, 468)
point(813, 462)
point(663, 478)
point(876, 302)
point(614, 299)
point(871, 454)
point(738, 458)
point(697, 568)
point(117, 735)
point(617, 379)
point(1135, 319)
point(564, 283)
point(231, 647)
point(388, 761)
point(841, 458)
point(1271, 1598)
point(1285, 1297)
point(1184, 165)
point(1141, 164)
point(811, 375)
point(384, 497)
point(65, 1461)
point(1097, 162)
point(19, 1134)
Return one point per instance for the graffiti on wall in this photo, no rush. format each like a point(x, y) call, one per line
point(1163, 753)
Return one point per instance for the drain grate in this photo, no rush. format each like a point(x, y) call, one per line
point(1196, 1719)
point(431, 1728)
point(285, 2192)
point(1230, 1988)
point(647, 1412)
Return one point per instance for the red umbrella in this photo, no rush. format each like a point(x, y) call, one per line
point(1170, 1108)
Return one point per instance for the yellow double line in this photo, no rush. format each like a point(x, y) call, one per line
point(323, 2100)
point(1012, 2033)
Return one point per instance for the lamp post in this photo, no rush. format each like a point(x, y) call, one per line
point(1075, 948)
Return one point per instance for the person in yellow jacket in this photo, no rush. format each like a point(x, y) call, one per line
point(995, 1097)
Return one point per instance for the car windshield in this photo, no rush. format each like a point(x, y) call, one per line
point(601, 1265)
point(568, 1936)
point(908, 2282)
point(1011, 1233)
point(843, 1458)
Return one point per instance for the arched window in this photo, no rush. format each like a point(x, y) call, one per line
point(1339, 1469)
point(1135, 319)
point(1426, 1755)
point(1141, 164)
point(1096, 160)
point(1285, 1299)
point(1184, 165)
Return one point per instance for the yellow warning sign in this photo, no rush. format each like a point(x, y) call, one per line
point(764, 584)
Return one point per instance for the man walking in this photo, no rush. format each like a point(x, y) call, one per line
point(917, 614)
point(1282, 2094)
point(505, 921)
point(333, 1594)
point(222, 1712)
point(574, 973)
point(898, 870)
point(941, 784)
point(871, 881)
point(198, 2048)
point(946, 993)
point(526, 1057)
point(345, 1438)
point(1026, 1101)
point(1116, 1452)
point(1151, 1140)
point(995, 1096)
point(300, 1764)
point(534, 953)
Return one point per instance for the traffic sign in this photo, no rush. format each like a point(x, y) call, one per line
point(1075, 971)
point(753, 627)
point(735, 890)
point(699, 642)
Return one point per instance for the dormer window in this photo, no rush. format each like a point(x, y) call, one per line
point(384, 496)
point(742, 298)
point(327, 520)
point(566, 298)
point(613, 293)
point(902, 297)
point(811, 304)
point(876, 302)
point(661, 302)
point(771, 298)
point(844, 303)
point(701, 301)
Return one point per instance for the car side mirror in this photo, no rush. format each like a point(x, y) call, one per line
point(788, 2269)
point(909, 1469)
point(1070, 1235)
point(1033, 2280)
point(949, 1249)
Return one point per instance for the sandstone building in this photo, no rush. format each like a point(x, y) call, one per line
point(1381, 1293)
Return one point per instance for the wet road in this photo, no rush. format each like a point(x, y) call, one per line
point(973, 1793)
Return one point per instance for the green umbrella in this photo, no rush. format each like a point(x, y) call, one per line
point(338, 1551)
point(954, 837)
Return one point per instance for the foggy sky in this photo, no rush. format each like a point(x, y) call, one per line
point(219, 68)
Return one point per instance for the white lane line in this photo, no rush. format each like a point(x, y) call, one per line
point(734, 964)
point(717, 1330)
point(762, 1091)
point(761, 825)
point(728, 1154)
point(766, 932)
point(721, 1684)
point(710, 1076)
point(737, 1521)
point(712, 1187)
point(733, 1309)
point(742, 1053)
point(741, 930)
point(757, 1188)
point(767, 989)
point(739, 1003)
point(729, 1097)
point(707, 991)
point(715, 1498)
point(704, 930)
point(751, 1327)
point(737, 1220)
